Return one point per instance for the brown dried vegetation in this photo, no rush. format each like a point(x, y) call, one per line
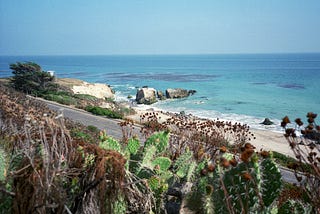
point(52, 173)
point(204, 137)
point(306, 149)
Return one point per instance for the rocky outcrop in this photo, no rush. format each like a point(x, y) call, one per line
point(98, 90)
point(149, 96)
point(161, 95)
point(178, 93)
point(192, 92)
point(267, 122)
point(146, 96)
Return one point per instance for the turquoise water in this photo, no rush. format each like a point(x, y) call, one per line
point(244, 88)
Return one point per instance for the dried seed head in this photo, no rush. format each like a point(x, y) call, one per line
point(211, 167)
point(204, 172)
point(293, 166)
point(265, 154)
point(225, 163)
point(247, 176)
point(233, 162)
point(223, 149)
point(311, 115)
point(286, 120)
point(299, 122)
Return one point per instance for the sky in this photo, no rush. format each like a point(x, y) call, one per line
point(108, 27)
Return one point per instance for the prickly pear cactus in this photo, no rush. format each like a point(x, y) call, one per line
point(163, 163)
point(183, 165)
point(111, 144)
point(133, 146)
point(147, 163)
point(159, 140)
point(295, 207)
point(270, 181)
point(148, 156)
point(247, 187)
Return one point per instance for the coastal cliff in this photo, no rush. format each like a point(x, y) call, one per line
point(77, 86)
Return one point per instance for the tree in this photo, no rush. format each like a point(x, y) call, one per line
point(30, 78)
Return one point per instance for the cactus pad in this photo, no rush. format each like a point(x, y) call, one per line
point(159, 140)
point(163, 162)
point(111, 144)
point(133, 146)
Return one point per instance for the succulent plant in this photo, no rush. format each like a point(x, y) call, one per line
point(250, 186)
point(294, 207)
point(110, 144)
point(133, 146)
point(159, 140)
point(162, 162)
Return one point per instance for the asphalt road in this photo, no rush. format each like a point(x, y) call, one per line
point(111, 126)
point(113, 129)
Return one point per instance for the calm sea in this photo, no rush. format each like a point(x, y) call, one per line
point(246, 88)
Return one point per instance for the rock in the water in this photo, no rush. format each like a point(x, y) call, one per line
point(146, 96)
point(176, 93)
point(192, 92)
point(267, 122)
point(161, 95)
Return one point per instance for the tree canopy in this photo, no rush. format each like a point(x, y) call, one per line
point(30, 78)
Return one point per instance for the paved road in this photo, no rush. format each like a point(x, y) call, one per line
point(110, 125)
point(113, 129)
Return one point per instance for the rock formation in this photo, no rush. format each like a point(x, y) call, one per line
point(178, 93)
point(146, 96)
point(98, 90)
point(160, 95)
point(267, 122)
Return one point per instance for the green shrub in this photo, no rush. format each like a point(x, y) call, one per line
point(285, 160)
point(85, 97)
point(93, 129)
point(103, 112)
point(62, 99)
point(126, 111)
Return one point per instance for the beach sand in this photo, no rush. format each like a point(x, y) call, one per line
point(271, 141)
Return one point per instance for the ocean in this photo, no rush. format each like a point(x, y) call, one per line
point(237, 87)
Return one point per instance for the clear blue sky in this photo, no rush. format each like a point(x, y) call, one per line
point(85, 27)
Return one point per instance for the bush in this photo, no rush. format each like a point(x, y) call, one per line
point(86, 97)
point(63, 99)
point(103, 112)
point(286, 161)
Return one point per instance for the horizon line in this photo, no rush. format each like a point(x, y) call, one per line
point(163, 54)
